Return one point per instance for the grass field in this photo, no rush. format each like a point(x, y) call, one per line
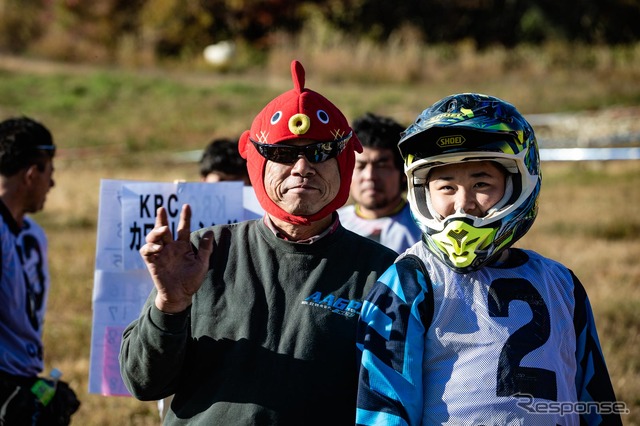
point(128, 124)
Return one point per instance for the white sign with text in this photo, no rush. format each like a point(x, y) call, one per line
point(121, 282)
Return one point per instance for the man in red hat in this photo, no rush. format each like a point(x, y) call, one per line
point(255, 322)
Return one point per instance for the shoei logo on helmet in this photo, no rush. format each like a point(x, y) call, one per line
point(446, 141)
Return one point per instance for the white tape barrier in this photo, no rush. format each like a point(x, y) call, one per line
point(589, 154)
point(546, 154)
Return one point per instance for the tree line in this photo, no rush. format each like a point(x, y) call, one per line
point(172, 28)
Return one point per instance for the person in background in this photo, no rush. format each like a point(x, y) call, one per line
point(26, 176)
point(464, 328)
point(380, 211)
point(255, 322)
point(221, 162)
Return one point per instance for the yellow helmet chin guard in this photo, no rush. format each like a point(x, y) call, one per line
point(460, 241)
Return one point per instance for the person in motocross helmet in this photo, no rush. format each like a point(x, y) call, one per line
point(464, 328)
point(449, 133)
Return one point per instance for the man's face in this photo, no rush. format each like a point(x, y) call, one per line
point(377, 183)
point(40, 183)
point(302, 188)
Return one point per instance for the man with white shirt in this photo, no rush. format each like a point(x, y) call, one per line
point(380, 211)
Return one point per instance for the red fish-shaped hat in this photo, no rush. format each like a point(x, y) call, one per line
point(299, 113)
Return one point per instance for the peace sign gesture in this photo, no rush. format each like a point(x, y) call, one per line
point(177, 271)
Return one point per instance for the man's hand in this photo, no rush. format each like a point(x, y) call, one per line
point(177, 271)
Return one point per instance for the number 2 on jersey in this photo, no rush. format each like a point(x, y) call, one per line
point(512, 378)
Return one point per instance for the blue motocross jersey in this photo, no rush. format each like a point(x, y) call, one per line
point(514, 344)
point(24, 282)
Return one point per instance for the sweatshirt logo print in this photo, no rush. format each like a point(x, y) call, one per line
point(338, 305)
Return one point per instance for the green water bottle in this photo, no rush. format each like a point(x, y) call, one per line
point(44, 389)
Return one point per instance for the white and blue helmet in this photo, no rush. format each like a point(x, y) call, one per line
point(472, 127)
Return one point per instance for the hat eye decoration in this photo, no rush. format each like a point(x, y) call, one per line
point(322, 116)
point(276, 117)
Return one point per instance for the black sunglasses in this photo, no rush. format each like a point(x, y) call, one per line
point(314, 153)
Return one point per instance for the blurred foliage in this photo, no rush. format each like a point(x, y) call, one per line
point(105, 30)
point(21, 22)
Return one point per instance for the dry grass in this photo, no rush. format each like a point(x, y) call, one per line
point(528, 76)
